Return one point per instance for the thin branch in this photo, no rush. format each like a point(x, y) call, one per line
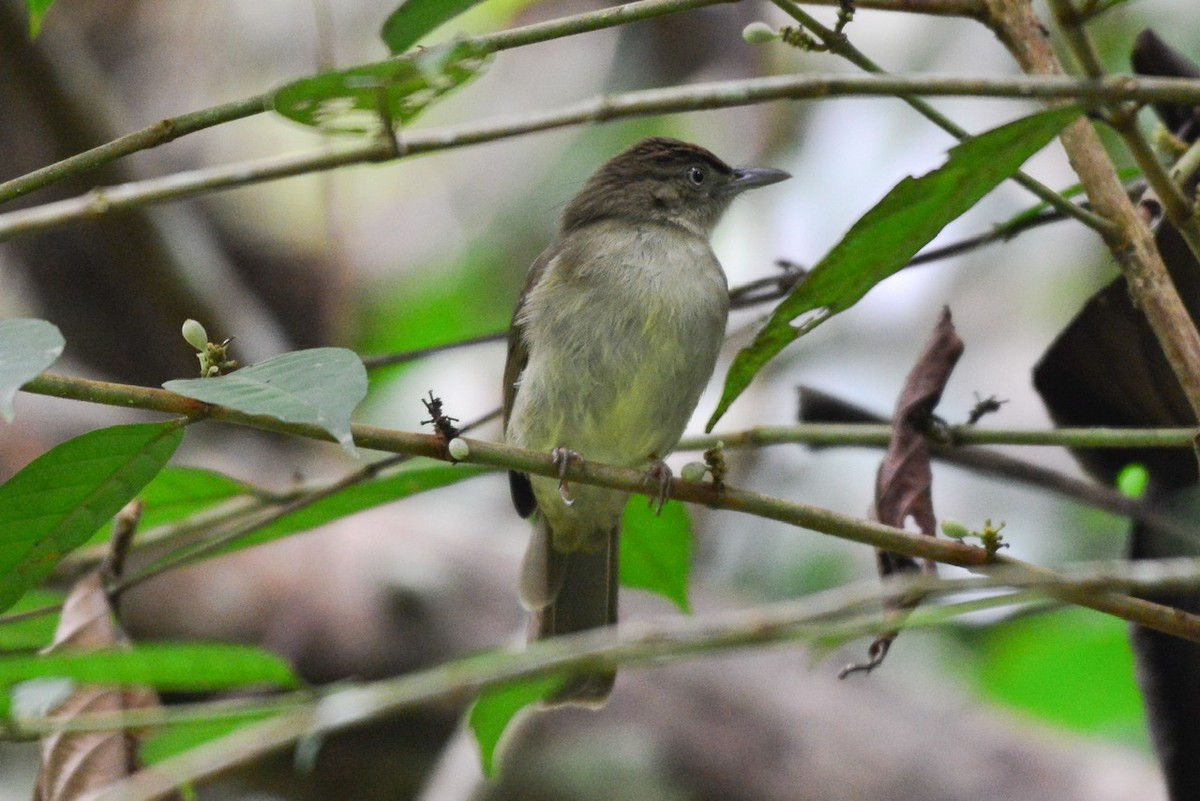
point(840, 45)
point(631, 480)
point(170, 129)
point(816, 618)
point(1132, 244)
point(971, 9)
point(697, 97)
point(1178, 208)
point(152, 136)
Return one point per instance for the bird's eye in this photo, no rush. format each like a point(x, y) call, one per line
point(696, 176)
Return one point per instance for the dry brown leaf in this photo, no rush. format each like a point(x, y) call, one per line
point(76, 764)
point(905, 478)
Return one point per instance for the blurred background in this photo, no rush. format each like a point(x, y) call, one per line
point(430, 250)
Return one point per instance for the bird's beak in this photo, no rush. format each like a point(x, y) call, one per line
point(753, 177)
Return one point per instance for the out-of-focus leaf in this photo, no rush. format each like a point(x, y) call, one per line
point(55, 503)
point(497, 706)
point(37, 11)
point(356, 100)
point(358, 497)
point(27, 347)
point(320, 387)
point(656, 550)
point(34, 632)
point(184, 735)
point(180, 492)
point(414, 18)
point(890, 234)
point(193, 667)
point(1025, 664)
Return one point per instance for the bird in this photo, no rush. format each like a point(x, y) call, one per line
point(614, 338)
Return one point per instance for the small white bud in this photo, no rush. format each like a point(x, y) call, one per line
point(693, 472)
point(759, 33)
point(195, 335)
point(458, 448)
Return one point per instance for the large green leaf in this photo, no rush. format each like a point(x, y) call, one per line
point(414, 18)
point(55, 503)
point(890, 234)
point(320, 387)
point(27, 347)
point(656, 550)
point(356, 100)
point(186, 666)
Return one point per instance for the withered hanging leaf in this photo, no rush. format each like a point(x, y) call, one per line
point(76, 764)
point(903, 484)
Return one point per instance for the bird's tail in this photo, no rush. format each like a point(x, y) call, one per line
point(571, 591)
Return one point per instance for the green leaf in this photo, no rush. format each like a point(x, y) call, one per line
point(27, 347)
point(354, 100)
point(32, 633)
point(184, 735)
point(193, 667)
point(656, 551)
point(55, 503)
point(358, 497)
point(37, 10)
point(177, 493)
point(890, 234)
point(497, 706)
point(414, 18)
point(320, 387)
point(1073, 668)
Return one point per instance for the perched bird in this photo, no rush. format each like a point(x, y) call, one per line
point(615, 335)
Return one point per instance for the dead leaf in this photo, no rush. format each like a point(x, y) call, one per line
point(905, 478)
point(76, 764)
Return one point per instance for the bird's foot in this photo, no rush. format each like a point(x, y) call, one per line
point(562, 458)
point(659, 475)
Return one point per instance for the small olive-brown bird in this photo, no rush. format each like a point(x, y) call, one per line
point(615, 335)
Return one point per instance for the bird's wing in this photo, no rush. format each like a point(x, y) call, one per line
point(514, 365)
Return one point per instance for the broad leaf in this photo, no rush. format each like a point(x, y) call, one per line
point(27, 347)
point(193, 667)
point(318, 387)
point(497, 706)
point(656, 550)
point(55, 503)
point(359, 99)
point(890, 234)
point(414, 18)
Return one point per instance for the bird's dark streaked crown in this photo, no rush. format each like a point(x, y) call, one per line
point(660, 180)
